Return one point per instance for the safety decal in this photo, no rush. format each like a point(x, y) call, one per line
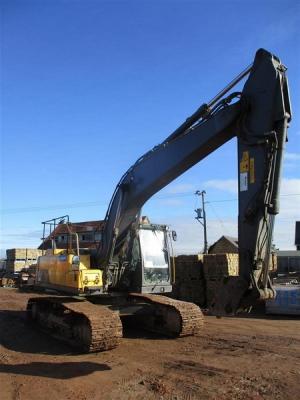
point(244, 164)
point(243, 181)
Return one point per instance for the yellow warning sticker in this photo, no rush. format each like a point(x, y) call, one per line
point(244, 164)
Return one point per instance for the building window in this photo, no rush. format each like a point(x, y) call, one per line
point(62, 239)
point(98, 236)
point(86, 237)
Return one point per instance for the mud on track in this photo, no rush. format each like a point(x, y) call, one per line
point(233, 358)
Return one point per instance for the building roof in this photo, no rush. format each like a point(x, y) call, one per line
point(288, 253)
point(78, 227)
point(231, 239)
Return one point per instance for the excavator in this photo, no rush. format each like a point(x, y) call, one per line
point(130, 271)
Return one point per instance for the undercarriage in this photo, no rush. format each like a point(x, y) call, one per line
point(97, 326)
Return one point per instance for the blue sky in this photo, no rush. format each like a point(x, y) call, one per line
point(89, 86)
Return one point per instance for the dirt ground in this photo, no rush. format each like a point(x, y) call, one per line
point(234, 358)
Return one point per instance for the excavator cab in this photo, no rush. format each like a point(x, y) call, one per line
point(145, 265)
point(155, 258)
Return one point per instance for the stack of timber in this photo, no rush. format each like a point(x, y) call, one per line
point(17, 259)
point(216, 267)
point(189, 279)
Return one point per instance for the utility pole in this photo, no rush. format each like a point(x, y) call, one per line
point(201, 215)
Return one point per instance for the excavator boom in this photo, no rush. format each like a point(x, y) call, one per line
point(258, 116)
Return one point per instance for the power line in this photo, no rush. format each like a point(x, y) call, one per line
point(51, 207)
point(20, 210)
point(218, 218)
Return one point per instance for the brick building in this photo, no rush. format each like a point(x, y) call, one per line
point(89, 235)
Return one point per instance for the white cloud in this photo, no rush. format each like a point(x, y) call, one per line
point(290, 186)
point(21, 237)
point(292, 156)
point(181, 188)
point(284, 234)
point(290, 198)
point(226, 185)
point(190, 233)
point(169, 202)
point(291, 167)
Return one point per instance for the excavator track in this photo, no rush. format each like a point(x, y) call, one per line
point(170, 317)
point(86, 326)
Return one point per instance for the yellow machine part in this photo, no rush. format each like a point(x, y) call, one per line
point(56, 270)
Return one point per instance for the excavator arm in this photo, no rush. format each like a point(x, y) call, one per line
point(262, 133)
point(258, 116)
